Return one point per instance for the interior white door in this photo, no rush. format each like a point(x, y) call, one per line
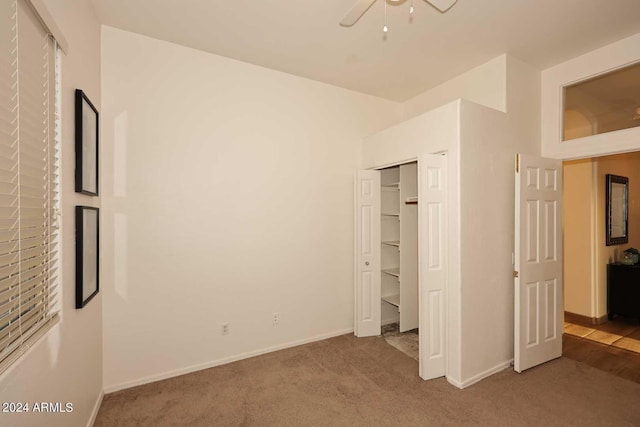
point(538, 261)
point(432, 266)
point(408, 248)
point(367, 246)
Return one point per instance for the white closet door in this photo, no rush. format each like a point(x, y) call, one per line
point(367, 246)
point(538, 261)
point(408, 248)
point(432, 264)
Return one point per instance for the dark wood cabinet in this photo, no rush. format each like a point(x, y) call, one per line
point(623, 290)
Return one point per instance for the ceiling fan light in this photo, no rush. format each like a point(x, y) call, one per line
point(385, 28)
point(411, 10)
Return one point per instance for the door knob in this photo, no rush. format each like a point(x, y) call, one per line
point(366, 263)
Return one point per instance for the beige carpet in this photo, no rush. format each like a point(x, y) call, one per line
point(348, 381)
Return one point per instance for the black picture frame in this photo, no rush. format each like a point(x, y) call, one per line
point(87, 254)
point(87, 142)
point(617, 215)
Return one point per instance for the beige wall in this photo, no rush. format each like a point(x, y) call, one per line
point(523, 105)
point(485, 84)
point(579, 220)
point(66, 365)
point(228, 196)
point(625, 165)
point(489, 142)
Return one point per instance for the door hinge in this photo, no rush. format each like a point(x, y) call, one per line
point(517, 163)
point(515, 274)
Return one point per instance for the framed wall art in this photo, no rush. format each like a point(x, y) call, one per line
point(617, 216)
point(87, 254)
point(87, 135)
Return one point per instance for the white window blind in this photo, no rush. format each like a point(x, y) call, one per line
point(29, 131)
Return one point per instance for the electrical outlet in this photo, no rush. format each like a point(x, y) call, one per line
point(276, 319)
point(225, 328)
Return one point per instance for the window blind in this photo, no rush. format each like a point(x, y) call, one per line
point(29, 194)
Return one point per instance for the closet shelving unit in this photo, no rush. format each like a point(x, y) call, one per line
point(399, 232)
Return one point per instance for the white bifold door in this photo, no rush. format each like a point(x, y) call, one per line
point(431, 260)
point(538, 261)
point(432, 265)
point(367, 268)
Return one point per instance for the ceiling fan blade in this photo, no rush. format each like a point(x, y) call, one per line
point(442, 5)
point(356, 12)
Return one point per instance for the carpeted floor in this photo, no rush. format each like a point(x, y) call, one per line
point(348, 381)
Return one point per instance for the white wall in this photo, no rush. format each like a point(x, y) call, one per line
point(431, 132)
point(612, 56)
point(488, 144)
point(486, 180)
point(579, 239)
point(484, 84)
point(66, 365)
point(489, 141)
point(228, 196)
point(523, 105)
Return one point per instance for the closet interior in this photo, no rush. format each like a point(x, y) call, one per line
point(399, 251)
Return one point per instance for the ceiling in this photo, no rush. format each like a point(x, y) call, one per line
point(302, 37)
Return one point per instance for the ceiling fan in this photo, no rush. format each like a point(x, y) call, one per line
point(362, 6)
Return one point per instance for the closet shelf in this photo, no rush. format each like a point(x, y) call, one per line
point(392, 272)
point(390, 214)
point(391, 184)
point(395, 243)
point(392, 299)
point(411, 200)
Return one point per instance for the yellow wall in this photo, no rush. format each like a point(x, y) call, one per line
point(625, 165)
point(585, 250)
point(576, 125)
point(578, 226)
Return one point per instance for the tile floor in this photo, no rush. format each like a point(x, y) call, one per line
point(613, 347)
point(620, 332)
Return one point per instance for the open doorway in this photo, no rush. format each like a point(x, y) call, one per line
point(587, 256)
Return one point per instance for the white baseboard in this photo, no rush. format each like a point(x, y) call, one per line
point(224, 361)
point(482, 375)
point(454, 382)
point(96, 408)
